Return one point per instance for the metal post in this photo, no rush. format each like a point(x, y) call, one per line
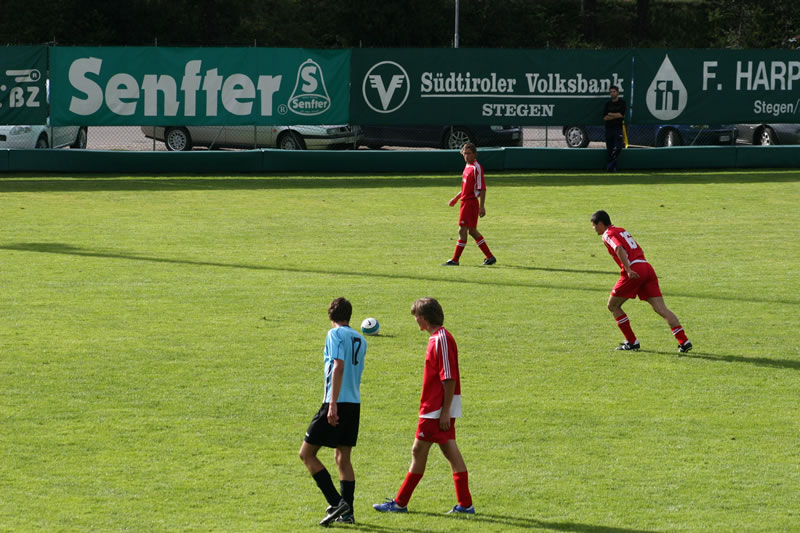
point(455, 38)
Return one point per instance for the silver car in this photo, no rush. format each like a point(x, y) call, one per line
point(180, 138)
point(769, 134)
point(41, 136)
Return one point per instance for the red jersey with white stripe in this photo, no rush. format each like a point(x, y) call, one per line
point(441, 363)
point(472, 181)
point(615, 237)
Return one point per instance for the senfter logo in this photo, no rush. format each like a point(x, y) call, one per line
point(309, 97)
point(666, 97)
point(386, 87)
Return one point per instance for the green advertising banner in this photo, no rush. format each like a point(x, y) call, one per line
point(23, 90)
point(484, 86)
point(192, 86)
point(716, 86)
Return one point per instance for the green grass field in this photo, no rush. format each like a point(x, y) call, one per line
point(161, 351)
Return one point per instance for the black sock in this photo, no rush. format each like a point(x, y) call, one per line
point(325, 484)
point(348, 489)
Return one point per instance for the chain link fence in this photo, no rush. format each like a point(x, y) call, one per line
point(134, 138)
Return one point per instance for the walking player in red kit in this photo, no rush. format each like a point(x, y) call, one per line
point(440, 405)
point(637, 278)
point(473, 197)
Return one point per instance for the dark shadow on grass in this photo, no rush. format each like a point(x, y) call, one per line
point(167, 182)
point(547, 269)
point(533, 523)
point(66, 249)
point(365, 526)
point(757, 361)
point(60, 248)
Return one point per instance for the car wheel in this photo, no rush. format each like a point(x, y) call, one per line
point(81, 140)
point(455, 138)
point(291, 140)
point(42, 141)
point(766, 137)
point(576, 137)
point(177, 139)
point(670, 138)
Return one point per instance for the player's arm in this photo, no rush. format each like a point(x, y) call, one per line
point(626, 264)
point(455, 199)
point(336, 386)
point(482, 200)
point(449, 386)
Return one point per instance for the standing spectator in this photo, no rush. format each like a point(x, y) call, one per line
point(473, 199)
point(637, 278)
point(440, 405)
point(336, 423)
point(614, 117)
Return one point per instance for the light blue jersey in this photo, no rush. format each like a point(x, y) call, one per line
point(346, 344)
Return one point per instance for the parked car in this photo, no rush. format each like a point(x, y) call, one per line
point(42, 136)
point(654, 135)
point(769, 134)
point(180, 138)
point(452, 137)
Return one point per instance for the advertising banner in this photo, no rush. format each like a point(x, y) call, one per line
point(716, 86)
point(484, 86)
point(193, 86)
point(23, 90)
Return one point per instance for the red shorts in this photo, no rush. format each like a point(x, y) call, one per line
point(645, 286)
point(428, 430)
point(468, 214)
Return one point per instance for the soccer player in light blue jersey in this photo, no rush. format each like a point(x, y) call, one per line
point(336, 423)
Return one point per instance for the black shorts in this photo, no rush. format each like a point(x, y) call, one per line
point(321, 433)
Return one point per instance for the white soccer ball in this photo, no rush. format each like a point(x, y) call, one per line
point(370, 326)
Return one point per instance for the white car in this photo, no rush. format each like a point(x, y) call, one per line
point(29, 137)
point(180, 138)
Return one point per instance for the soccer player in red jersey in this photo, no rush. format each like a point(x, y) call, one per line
point(637, 278)
point(473, 200)
point(440, 405)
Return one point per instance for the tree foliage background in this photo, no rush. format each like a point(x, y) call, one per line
point(408, 23)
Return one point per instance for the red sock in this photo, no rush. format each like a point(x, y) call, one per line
point(459, 250)
point(462, 488)
point(484, 247)
point(680, 335)
point(624, 324)
point(407, 489)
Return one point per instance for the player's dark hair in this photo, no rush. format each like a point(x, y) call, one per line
point(614, 87)
point(601, 216)
point(470, 147)
point(430, 310)
point(340, 310)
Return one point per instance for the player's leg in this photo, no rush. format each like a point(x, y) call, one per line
point(460, 477)
point(347, 479)
point(658, 305)
point(623, 322)
point(481, 242)
point(320, 474)
point(320, 433)
point(419, 460)
point(308, 454)
point(460, 245)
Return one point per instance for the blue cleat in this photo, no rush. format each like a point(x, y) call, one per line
point(389, 506)
point(462, 510)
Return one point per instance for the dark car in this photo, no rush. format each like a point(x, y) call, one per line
point(769, 134)
point(452, 137)
point(654, 135)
